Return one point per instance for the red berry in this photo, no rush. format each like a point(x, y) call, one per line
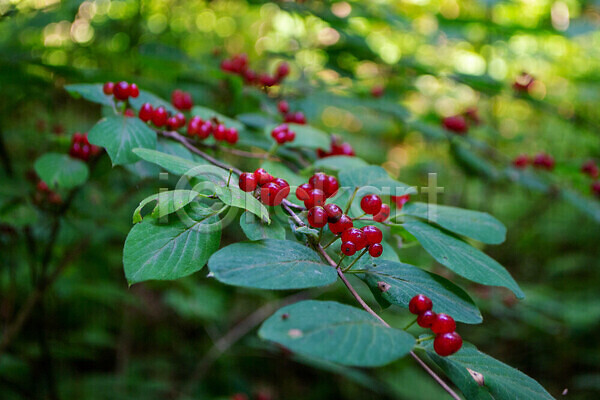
point(342, 225)
point(282, 70)
point(194, 126)
point(590, 168)
point(377, 91)
point(318, 181)
point(355, 236)
point(283, 106)
point(267, 80)
point(544, 161)
point(121, 90)
point(400, 200)
point(317, 217)
point(456, 124)
point(302, 191)
point(172, 123)
point(596, 188)
point(180, 119)
point(220, 132)
point(443, 324)
point(268, 194)
point(248, 182)
point(250, 76)
point(42, 186)
point(331, 186)
point(447, 343)
point(280, 136)
point(419, 304)
point(376, 250)
point(371, 204)
point(129, 113)
point(521, 161)
point(262, 176)
point(334, 213)
point(373, 234)
point(299, 118)
point(187, 101)
point(426, 318)
point(134, 91)
point(316, 197)
point(348, 248)
point(346, 150)
point(523, 82)
point(284, 190)
point(108, 88)
point(232, 136)
point(160, 116)
point(383, 214)
point(290, 136)
point(146, 112)
point(205, 130)
point(77, 137)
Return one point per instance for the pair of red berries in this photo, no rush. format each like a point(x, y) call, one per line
point(81, 147)
point(446, 341)
point(272, 191)
point(319, 188)
point(336, 149)
point(354, 239)
point(590, 168)
point(372, 204)
point(540, 160)
point(121, 90)
point(297, 117)
point(283, 134)
point(202, 129)
point(161, 117)
point(181, 100)
point(238, 64)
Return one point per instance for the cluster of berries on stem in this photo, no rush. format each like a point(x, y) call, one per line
point(540, 160)
point(45, 194)
point(121, 90)
point(590, 168)
point(447, 341)
point(81, 147)
point(337, 148)
point(182, 100)
point(238, 64)
point(270, 190)
point(296, 117)
point(282, 134)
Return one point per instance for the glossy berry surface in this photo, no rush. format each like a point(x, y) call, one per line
point(456, 123)
point(521, 161)
point(160, 116)
point(383, 214)
point(355, 236)
point(302, 191)
point(373, 234)
point(172, 123)
point(284, 187)
point(316, 197)
point(447, 343)
point(121, 90)
point(317, 181)
point(134, 91)
point(248, 182)
point(283, 107)
point(232, 136)
point(146, 112)
point(262, 176)
point(419, 304)
point(343, 224)
point(334, 212)
point(331, 186)
point(375, 250)
point(317, 217)
point(108, 88)
point(371, 204)
point(443, 324)
point(268, 194)
point(426, 318)
point(220, 132)
point(348, 248)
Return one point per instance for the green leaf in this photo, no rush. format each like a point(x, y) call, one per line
point(166, 203)
point(336, 332)
point(208, 114)
point(155, 251)
point(147, 97)
point(174, 164)
point(270, 264)
point(235, 197)
point(256, 229)
point(474, 224)
point(339, 163)
point(373, 177)
point(500, 381)
point(61, 171)
point(306, 136)
point(281, 171)
point(119, 135)
point(91, 92)
point(398, 283)
point(462, 258)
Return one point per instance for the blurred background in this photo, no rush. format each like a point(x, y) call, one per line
point(381, 74)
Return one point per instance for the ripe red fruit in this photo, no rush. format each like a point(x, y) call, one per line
point(232, 136)
point(146, 112)
point(267, 80)
point(279, 136)
point(205, 130)
point(268, 194)
point(250, 76)
point(371, 204)
point(121, 90)
point(316, 197)
point(400, 200)
point(456, 124)
point(283, 107)
point(447, 343)
point(596, 188)
point(348, 248)
point(331, 186)
point(299, 118)
point(377, 91)
point(160, 116)
point(523, 82)
point(284, 187)
point(108, 88)
point(355, 236)
point(544, 161)
point(443, 324)
point(180, 119)
point(129, 113)
point(302, 191)
point(134, 91)
point(262, 176)
point(590, 168)
point(383, 214)
point(338, 227)
point(426, 318)
point(419, 304)
point(220, 132)
point(334, 213)
point(248, 182)
point(521, 161)
point(42, 186)
point(376, 250)
point(290, 136)
point(318, 181)
point(181, 100)
point(194, 126)
point(172, 123)
point(373, 234)
point(317, 217)
point(282, 70)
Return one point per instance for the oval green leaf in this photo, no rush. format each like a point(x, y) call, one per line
point(61, 171)
point(256, 229)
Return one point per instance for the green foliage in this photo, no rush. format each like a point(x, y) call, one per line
point(61, 171)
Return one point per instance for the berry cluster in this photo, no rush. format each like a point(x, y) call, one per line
point(45, 194)
point(238, 64)
point(202, 129)
point(447, 341)
point(590, 168)
point(121, 90)
point(271, 191)
point(297, 117)
point(81, 147)
point(283, 134)
point(319, 188)
point(523, 82)
point(336, 149)
point(540, 160)
point(181, 100)
point(161, 117)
